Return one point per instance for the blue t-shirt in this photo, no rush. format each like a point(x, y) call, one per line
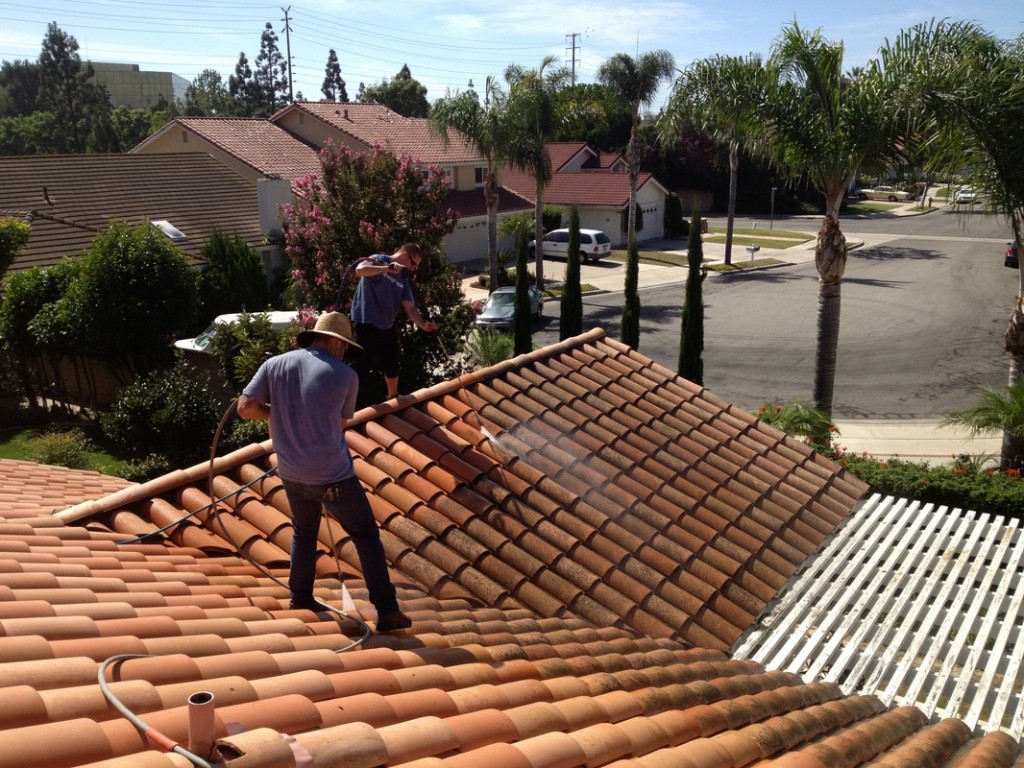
point(378, 298)
point(310, 392)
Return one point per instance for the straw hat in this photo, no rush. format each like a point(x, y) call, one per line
point(334, 324)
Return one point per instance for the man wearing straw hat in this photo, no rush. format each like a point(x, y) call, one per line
point(308, 394)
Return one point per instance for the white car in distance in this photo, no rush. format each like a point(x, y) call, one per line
point(279, 319)
point(593, 244)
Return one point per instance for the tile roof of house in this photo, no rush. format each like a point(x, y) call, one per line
point(266, 148)
point(589, 187)
point(374, 124)
point(70, 198)
point(561, 152)
point(574, 574)
point(271, 150)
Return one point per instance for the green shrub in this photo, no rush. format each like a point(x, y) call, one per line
point(243, 432)
point(60, 448)
point(963, 484)
point(172, 413)
point(488, 346)
point(799, 418)
point(242, 347)
point(141, 470)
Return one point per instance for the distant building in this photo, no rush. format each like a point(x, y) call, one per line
point(131, 87)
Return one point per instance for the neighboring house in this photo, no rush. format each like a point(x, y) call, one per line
point(69, 199)
point(599, 184)
point(251, 146)
point(578, 534)
point(286, 145)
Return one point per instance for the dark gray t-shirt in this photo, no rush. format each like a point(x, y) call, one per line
point(378, 298)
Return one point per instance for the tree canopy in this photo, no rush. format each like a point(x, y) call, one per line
point(402, 94)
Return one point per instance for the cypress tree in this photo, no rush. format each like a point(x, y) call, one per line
point(570, 322)
point(523, 319)
point(691, 340)
point(629, 333)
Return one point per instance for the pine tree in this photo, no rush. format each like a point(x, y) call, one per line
point(691, 339)
point(334, 86)
point(270, 74)
point(66, 92)
point(241, 87)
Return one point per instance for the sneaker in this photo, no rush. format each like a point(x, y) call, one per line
point(307, 604)
point(389, 622)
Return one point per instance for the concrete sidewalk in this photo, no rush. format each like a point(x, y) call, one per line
point(913, 440)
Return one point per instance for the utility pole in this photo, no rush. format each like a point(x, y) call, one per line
point(288, 50)
point(572, 38)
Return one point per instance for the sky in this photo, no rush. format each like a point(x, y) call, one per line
point(448, 43)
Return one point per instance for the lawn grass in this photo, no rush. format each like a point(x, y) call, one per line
point(17, 444)
point(870, 206)
point(743, 264)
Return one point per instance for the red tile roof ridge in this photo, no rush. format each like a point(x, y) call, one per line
point(164, 484)
point(457, 386)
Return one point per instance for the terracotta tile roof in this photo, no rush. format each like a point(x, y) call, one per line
point(588, 187)
point(88, 192)
point(470, 202)
point(257, 142)
point(271, 150)
point(28, 489)
point(374, 124)
point(561, 152)
point(573, 580)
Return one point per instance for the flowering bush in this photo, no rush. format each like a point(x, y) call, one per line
point(373, 202)
point(360, 204)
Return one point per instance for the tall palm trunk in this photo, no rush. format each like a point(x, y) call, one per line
point(830, 259)
point(538, 234)
point(734, 167)
point(634, 175)
point(491, 202)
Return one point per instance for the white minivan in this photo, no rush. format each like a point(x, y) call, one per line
point(593, 244)
point(201, 343)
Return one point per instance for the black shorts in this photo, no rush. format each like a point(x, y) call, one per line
point(379, 345)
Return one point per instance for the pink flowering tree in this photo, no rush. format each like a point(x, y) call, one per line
point(372, 202)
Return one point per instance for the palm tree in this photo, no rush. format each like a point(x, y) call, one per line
point(824, 127)
point(532, 94)
point(720, 96)
point(492, 129)
point(972, 85)
point(635, 82)
point(1000, 409)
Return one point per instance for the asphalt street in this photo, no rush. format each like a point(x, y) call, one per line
point(925, 300)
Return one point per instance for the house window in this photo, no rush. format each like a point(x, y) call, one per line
point(479, 176)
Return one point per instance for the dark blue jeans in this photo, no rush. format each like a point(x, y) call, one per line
point(352, 511)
